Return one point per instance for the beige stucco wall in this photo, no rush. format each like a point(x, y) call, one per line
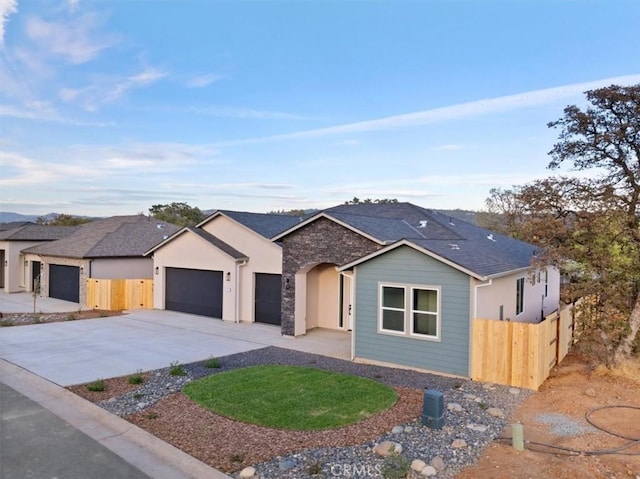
point(193, 252)
point(14, 274)
point(323, 295)
point(264, 257)
point(122, 268)
point(502, 291)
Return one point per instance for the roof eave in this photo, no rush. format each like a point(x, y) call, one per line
point(420, 249)
point(322, 214)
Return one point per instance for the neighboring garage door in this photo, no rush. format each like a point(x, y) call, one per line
point(268, 298)
point(194, 291)
point(64, 282)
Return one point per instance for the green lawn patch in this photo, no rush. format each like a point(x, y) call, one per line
point(291, 397)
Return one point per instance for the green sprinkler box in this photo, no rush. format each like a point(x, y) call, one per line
point(433, 409)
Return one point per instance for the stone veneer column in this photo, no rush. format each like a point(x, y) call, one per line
point(322, 241)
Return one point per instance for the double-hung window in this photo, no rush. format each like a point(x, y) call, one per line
point(408, 310)
point(393, 312)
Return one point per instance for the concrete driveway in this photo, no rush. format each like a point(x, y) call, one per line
point(76, 352)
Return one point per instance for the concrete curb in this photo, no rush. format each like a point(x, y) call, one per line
point(142, 450)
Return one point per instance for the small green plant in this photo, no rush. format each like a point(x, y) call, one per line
point(483, 405)
point(176, 369)
point(396, 466)
point(136, 378)
point(71, 317)
point(315, 468)
point(237, 457)
point(152, 415)
point(137, 395)
point(7, 323)
point(97, 386)
point(212, 363)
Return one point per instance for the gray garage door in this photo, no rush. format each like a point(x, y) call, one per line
point(64, 282)
point(268, 298)
point(194, 291)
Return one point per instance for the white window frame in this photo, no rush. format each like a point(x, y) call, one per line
point(382, 308)
point(409, 310)
point(520, 286)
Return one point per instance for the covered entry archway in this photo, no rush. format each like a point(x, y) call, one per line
point(323, 298)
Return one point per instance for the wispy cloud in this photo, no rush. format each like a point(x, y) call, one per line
point(244, 113)
point(471, 109)
point(7, 8)
point(76, 40)
point(86, 163)
point(201, 81)
point(109, 90)
point(232, 186)
point(447, 148)
point(43, 111)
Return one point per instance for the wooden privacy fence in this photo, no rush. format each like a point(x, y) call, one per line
point(520, 354)
point(117, 294)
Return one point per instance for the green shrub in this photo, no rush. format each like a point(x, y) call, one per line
point(176, 369)
point(212, 363)
point(396, 466)
point(97, 386)
point(136, 378)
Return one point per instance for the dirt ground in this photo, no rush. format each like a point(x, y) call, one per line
point(572, 390)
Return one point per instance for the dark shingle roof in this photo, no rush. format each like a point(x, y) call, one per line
point(118, 236)
point(473, 248)
point(265, 224)
point(218, 243)
point(34, 232)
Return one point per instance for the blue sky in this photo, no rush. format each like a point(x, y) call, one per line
point(109, 107)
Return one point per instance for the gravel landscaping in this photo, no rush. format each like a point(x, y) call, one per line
point(475, 414)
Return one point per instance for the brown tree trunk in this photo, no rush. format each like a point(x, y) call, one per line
point(624, 349)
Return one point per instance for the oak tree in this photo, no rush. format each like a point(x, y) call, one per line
point(590, 223)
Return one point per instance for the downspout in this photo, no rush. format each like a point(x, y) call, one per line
point(239, 265)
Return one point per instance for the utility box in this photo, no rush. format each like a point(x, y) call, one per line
point(433, 409)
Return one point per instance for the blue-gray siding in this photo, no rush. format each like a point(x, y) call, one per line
point(408, 266)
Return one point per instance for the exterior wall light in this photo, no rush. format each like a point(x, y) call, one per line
point(228, 276)
point(157, 270)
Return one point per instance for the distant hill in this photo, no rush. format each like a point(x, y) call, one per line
point(10, 217)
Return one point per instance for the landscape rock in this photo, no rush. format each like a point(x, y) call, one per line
point(418, 465)
point(386, 448)
point(452, 406)
point(487, 386)
point(408, 429)
point(495, 412)
point(247, 473)
point(514, 391)
point(458, 443)
point(286, 465)
point(429, 471)
point(438, 463)
point(397, 430)
point(477, 427)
